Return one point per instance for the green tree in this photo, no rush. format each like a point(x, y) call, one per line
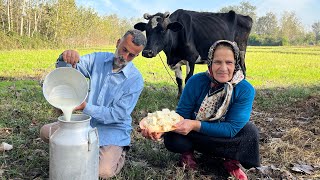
point(268, 30)
point(291, 28)
point(31, 23)
point(66, 21)
point(310, 39)
point(267, 25)
point(2, 16)
point(316, 30)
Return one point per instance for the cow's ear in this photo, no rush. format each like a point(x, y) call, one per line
point(140, 26)
point(175, 26)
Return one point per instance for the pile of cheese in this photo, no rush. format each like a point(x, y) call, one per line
point(161, 121)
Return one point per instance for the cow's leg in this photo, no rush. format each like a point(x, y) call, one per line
point(178, 73)
point(242, 63)
point(187, 67)
point(190, 66)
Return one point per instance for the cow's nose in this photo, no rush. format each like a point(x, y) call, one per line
point(148, 53)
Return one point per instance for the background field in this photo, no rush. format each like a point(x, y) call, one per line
point(286, 110)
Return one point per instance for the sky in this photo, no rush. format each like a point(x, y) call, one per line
point(308, 11)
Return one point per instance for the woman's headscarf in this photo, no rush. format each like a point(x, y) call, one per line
point(215, 104)
point(233, 45)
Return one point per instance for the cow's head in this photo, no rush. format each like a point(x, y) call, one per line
point(157, 31)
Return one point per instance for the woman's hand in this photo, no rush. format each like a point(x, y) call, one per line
point(151, 135)
point(185, 126)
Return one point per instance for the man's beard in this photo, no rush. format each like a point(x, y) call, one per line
point(118, 61)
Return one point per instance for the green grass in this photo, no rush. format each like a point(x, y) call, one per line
point(281, 75)
point(272, 67)
point(267, 66)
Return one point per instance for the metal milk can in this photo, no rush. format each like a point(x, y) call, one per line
point(74, 150)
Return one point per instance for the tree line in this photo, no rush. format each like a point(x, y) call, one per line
point(61, 23)
point(56, 23)
point(268, 30)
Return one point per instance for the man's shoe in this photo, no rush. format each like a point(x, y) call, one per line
point(188, 161)
point(233, 168)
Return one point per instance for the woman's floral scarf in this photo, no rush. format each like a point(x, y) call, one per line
point(216, 102)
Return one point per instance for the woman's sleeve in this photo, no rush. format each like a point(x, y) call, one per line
point(187, 100)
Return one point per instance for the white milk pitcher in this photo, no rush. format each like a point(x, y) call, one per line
point(65, 88)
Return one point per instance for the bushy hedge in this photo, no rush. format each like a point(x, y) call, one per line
point(12, 40)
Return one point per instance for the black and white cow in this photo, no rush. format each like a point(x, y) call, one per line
point(186, 36)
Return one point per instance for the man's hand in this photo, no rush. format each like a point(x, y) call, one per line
point(187, 125)
point(71, 56)
point(81, 106)
point(151, 135)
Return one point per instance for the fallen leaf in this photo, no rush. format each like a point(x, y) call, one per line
point(5, 147)
point(302, 168)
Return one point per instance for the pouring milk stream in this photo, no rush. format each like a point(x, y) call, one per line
point(65, 98)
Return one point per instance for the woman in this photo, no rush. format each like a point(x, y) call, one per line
point(216, 107)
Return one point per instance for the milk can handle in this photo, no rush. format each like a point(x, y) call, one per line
point(50, 131)
point(92, 138)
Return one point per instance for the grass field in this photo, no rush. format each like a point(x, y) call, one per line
point(286, 110)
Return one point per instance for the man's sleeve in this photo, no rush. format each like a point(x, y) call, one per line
point(120, 110)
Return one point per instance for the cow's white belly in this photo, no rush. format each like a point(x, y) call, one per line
point(177, 67)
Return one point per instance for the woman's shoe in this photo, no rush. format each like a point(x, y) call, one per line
point(188, 161)
point(233, 168)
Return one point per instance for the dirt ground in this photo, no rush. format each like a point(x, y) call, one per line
point(289, 141)
point(289, 144)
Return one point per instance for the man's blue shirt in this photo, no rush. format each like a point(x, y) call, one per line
point(112, 97)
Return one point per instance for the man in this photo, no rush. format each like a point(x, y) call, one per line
point(116, 85)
